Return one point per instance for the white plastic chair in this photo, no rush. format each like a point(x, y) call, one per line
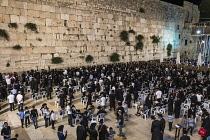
point(56, 104)
point(156, 110)
point(28, 88)
point(43, 93)
point(78, 118)
point(93, 119)
point(145, 114)
point(98, 101)
point(84, 100)
point(35, 96)
point(100, 116)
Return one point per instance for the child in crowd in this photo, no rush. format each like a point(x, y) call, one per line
point(111, 133)
point(53, 118)
point(170, 121)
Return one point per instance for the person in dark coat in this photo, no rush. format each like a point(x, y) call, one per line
point(60, 134)
point(102, 130)
point(62, 99)
point(93, 133)
point(149, 101)
point(112, 100)
point(185, 137)
point(71, 96)
point(177, 108)
point(156, 128)
point(81, 132)
point(206, 125)
point(128, 99)
point(89, 97)
point(163, 123)
point(171, 104)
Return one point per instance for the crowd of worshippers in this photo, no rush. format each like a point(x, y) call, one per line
point(121, 83)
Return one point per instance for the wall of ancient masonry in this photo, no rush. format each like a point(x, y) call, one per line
point(76, 28)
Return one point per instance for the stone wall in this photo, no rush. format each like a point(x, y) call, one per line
point(76, 28)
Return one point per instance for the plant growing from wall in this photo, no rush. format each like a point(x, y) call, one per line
point(169, 48)
point(31, 26)
point(131, 31)
point(39, 39)
point(57, 60)
point(139, 37)
point(89, 58)
point(114, 57)
point(17, 47)
point(13, 25)
point(8, 64)
point(155, 39)
point(139, 44)
point(141, 10)
point(4, 34)
point(124, 36)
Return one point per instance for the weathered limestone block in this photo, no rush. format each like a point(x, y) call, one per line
point(45, 8)
point(14, 18)
point(25, 5)
point(30, 6)
point(37, 7)
point(65, 16)
point(46, 56)
point(31, 36)
point(33, 13)
point(4, 2)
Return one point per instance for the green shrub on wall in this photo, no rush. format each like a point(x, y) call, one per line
point(139, 46)
point(114, 57)
point(17, 47)
point(131, 31)
point(89, 58)
point(169, 48)
point(31, 26)
point(8, 64)
point(57, 60)
point(124, 36)
point(13, 25)
point(4, 34)
point(155, 39)
point(141, 10)
point(139, 37)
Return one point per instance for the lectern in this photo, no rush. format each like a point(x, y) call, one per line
point(178, 127)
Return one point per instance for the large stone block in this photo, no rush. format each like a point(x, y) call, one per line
point(45, 8)
point(65, 16)
point(37, 7)
point(46, 56)
point(4, 2)
point(14, 18)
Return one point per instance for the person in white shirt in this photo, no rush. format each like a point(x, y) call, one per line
point(103, 102)
point(19, 99)
point(158, 95)
point(199, 98)
point(53, 118)
point(11, 99)
point(70, 114)
point(125, 106)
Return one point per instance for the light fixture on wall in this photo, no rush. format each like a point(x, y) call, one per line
point(198, 32)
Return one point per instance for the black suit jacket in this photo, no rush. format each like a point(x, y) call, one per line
point(185, 137)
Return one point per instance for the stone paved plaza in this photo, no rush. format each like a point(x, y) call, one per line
point(135, 129)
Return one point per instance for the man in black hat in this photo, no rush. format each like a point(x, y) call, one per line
point(163, 123)
point(102, 130)
point(81, 131)
point(93, 133)
point(185, 137)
